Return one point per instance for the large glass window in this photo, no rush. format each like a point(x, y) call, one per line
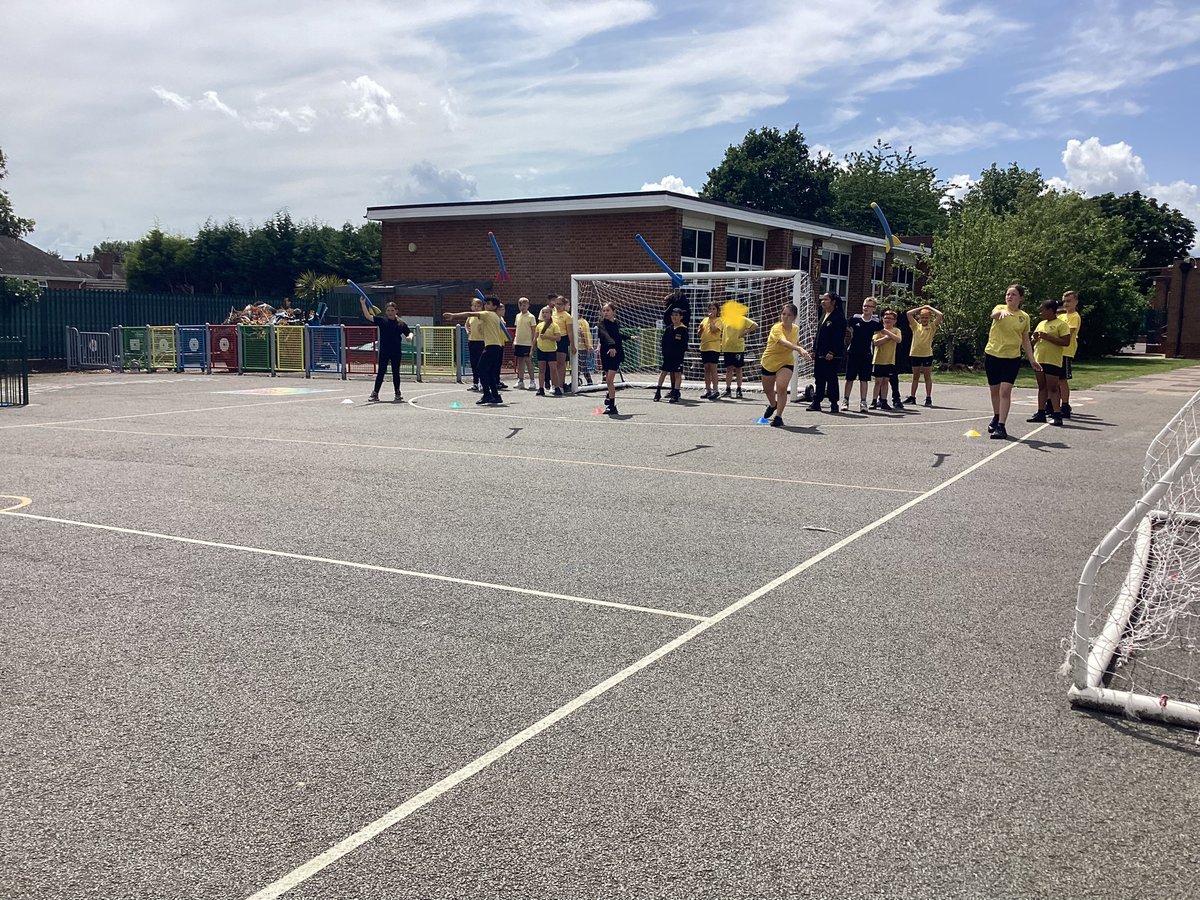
point(835, 273)
point(802, 259)
point(743, 254)
point(903, 282)
point(696, 253)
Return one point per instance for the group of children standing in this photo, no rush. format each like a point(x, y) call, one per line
point(869, 353)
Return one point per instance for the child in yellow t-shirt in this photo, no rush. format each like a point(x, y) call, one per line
point(1050, 339)
point(585, 350)
point(778, 362)
point(923, 321)
point(709, 332)
point(1070, 315)
point(524, 326)
point(548, 336)
point(883, 359)
point(733, 346)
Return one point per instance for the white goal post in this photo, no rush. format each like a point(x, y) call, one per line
point(1136, 642)
point(641, 297)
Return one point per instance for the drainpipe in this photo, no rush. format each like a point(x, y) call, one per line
point(1184, 267)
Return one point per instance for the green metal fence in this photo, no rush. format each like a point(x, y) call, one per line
point(14, 372)
point(43, 324)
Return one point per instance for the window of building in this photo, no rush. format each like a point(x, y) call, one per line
point(743, 254)
point(802, 258)
point(904, 278)
point(696, 253)
point(835, 272)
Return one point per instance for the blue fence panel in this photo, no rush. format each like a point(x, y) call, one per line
point(193, 347)
point(324, 352)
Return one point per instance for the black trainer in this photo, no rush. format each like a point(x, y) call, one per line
point(999, 433)
point(1038, 416)
point(657, 396)
point(777, 422)
point(929, 401)
point(770, 412)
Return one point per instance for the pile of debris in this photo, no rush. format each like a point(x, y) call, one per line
point(265, 314)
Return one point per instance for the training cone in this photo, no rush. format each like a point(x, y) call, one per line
point(347, 402)
point(761, 421)
point(972, 433)
point(597, 412)
point(456, 405)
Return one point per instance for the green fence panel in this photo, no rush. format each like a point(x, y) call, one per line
point(256, 347)
point(135, 348)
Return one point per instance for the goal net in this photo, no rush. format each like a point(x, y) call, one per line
point(1136, 645)
point(641, 301)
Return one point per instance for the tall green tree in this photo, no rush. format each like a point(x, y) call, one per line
point(268, 255)
point(1002, 191)
point(11, 225)
point(118, 249)
point(1158, 234)
point(160, 262)
point(216, 259)
point(774, 172)
point(906, 188)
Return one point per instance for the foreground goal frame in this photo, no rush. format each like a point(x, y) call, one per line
point(1099, 644)
point(800, 292)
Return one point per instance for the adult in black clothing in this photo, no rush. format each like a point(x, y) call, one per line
point(392, 331)
point(858, 357)
point(827, 351)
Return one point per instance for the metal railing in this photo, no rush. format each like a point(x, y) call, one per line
point(14, 372)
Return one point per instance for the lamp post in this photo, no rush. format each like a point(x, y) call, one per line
point(1184, 267)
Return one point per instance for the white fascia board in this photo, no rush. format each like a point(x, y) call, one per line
point(620, 203)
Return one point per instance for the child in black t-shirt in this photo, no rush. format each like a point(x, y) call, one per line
point(858, 357)
point(392, 331)
point(674, 347)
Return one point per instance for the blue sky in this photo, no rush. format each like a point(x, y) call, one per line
point(115, 116)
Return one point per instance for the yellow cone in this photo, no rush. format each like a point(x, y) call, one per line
point(972, 433)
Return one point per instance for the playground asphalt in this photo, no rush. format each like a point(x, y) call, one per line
point(205, 719)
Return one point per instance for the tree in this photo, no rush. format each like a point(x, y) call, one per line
point(1003, 191)
point(311, 287)
point(11, 225)
point(16, 292)
point(905, 187)
point(1050, 242)
point(1158, 234)
point(159, 262)
point(118, 249)
point(774, 172)
point(216, 258)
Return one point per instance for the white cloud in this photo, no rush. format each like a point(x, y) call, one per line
point(171, 98)
point(1112, 49)
point(957, 187)
point(373, 104)
point(213, 102)
point(1096, 168)
point(426, 183)
point(936, 138)
point(671, 183)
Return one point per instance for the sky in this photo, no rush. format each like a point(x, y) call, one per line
point(117, 116)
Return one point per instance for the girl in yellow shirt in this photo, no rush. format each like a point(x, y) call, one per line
point(778, 362)
point(923, 321)
point(1007, 337)
point(883, 360)
point(1051, 337)
point(709, 332)
point(548, 336)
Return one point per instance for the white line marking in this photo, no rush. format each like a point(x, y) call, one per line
point(486, 455)
point(169, 412)
point(369, 832)
point(21, 503)
point(529, 592)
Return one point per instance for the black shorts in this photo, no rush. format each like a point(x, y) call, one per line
point(858, 369)
point(1001, 371)
point(1067, 371)
point(710, 357)
point(767, 374)
point(1056, 371)
point(564, 345)
point(671, 365)
point(547, 356)
point(612, 363)
point(923, 362)
point(735, 360)
point(520, 351)
point(884, 371)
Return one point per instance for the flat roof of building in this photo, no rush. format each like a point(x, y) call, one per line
point(621, 202)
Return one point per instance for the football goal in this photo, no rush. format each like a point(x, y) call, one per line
point(1136, 642)
point(642, 299)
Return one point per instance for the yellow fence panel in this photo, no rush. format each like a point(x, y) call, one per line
point(163, 347)
point(289, 348)
point(437, 350)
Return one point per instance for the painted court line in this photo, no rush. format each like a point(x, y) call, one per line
point(529, 592)
point(169, 412)
point(491, 456)
point(369, 832)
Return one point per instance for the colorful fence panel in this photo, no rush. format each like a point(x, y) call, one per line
point(223, 348)
point(91, 349)
point(192, 341)
point(289, 348)
point(324, 353)
point(163, 347)
point(254, 347)
point(361, 356)
point(436, 348)
point(135, 348)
